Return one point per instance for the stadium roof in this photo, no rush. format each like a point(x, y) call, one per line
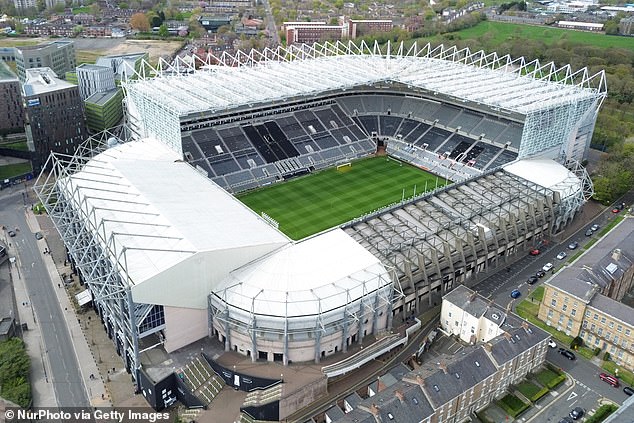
point(305, 278)
point(228, 82)
point(156, 210)
point(548, 174)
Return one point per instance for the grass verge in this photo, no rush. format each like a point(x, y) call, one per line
point(624, 375)
point(602, 413)
point(512, 405)
point(11, 170)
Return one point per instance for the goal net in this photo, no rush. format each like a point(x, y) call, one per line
point(344, 167)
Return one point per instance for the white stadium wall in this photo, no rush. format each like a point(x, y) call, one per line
point(184, 326)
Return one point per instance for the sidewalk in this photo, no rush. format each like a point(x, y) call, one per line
point(95, 385)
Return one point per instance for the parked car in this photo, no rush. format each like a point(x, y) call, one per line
point(516, 293)
point(566, 420)
point(38, 235)
point(594, 227)
point(609, 379)
point(573, 245)
point(567, 353)
point(547, 267)
point(540, 274)
point(534, 252)
point(589, 232)
point(628, 391)
point(532, 280)
point(561, 255)
point(11, 233)
point(616, 210)
point(552, 343)
point(576, 413)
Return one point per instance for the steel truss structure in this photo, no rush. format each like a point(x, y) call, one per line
point(441, 239)
point(552, 99)
point(92, 250)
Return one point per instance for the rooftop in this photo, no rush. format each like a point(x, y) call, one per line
point(468, 301)
point(598, 266)
point(43, 80)
point(102, 98)
point(264, 77)
point(614, 308)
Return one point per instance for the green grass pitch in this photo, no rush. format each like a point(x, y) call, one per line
point(313, 203)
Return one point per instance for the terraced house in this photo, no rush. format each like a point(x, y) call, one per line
point(585, 298)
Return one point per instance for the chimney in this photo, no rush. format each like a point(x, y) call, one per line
point(508, 336)
point(443, 366)
point(616, 254)
point(380, 386)
point(526, 327)
point(473, 296)
point(488, 346)
point(399, 395)
point(420, 380)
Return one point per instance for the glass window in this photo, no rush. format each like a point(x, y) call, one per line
point(596, 316)
point(628, 332)
point(611, 325)
point(619, 328)
point(553, 302)
point(565, 307)
point(573, 312)
point(603, 320)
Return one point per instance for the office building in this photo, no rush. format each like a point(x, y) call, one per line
point(93, 79)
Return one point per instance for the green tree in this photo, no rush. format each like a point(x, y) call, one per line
point(163, 32)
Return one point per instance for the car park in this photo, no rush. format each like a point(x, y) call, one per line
point(534, 252)
point(516, 293)
point(561, 255)
point(573, 245)
point(540, 274)
point(609, 379)
point(567, 353)
point(547, 267)
point(552, 344)
point(532, 280)
point(628, 391)
point(576, 413)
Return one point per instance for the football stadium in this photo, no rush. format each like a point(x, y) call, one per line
point(289, 203)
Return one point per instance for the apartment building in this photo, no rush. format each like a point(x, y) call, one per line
point(11, 108)
point(584, 299)
point(54, 115)
point(56, 55)
point(312, 32)
point(93, 79)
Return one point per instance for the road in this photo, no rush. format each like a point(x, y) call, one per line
point(57, 347)
point(270, 24)
point(588, 389)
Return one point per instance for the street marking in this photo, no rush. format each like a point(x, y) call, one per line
point(571, 396)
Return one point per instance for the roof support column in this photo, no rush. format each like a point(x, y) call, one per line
point(226, 324)
point(134, 336)
point(285, 358)
point(254, 339)
point(361, 316)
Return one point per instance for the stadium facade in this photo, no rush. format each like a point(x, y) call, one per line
point(170, 255)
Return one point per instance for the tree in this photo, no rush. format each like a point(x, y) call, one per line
point(163, 32)
point(140, 22)
point(123, 6)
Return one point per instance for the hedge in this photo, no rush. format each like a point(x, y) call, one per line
point(512, 405)
point(14, 372)
point(602, 413)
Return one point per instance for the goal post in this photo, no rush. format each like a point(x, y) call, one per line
point(344, 167)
